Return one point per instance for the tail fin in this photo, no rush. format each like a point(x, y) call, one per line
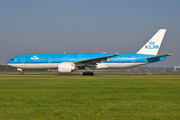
point(153, 45)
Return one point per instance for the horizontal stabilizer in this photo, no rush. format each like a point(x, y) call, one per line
point(159, 56)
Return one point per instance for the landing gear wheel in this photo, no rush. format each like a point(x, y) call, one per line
point(88, 73)
point(84, 73)
point(91, 73)
point(21, 73)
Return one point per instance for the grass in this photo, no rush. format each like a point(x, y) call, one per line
point(89, 98)
point(95, 72)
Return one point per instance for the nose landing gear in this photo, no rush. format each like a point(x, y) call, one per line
point(21, 73)
point(20, 70)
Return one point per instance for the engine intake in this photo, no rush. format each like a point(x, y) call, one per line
point(66, 67)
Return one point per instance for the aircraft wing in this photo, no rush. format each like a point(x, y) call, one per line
point(93, 61)
point(158, 56)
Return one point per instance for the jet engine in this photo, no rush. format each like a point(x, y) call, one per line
point(66, 67)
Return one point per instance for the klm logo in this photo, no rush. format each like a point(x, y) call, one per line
point(34, 58)
point(151, 46)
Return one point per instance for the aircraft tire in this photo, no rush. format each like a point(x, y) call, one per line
point(21, 73)
point(84, 73)
point(88, 73)
point(91, 73)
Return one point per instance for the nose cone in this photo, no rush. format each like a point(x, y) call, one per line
point(8, 62)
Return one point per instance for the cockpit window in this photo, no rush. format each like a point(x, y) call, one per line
point(11, 59)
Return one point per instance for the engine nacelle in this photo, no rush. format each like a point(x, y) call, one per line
point(66, 67)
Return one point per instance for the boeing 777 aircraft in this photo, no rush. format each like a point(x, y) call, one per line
point(69, 62)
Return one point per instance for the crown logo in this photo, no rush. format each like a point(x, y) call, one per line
point(151, 43)
point(34, 58)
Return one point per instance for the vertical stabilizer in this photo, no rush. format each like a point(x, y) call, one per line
point(153, 45)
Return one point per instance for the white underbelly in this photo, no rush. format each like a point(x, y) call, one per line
point(55, 65)
point(35, 65)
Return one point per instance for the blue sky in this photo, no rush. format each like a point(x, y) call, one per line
point(88, 26)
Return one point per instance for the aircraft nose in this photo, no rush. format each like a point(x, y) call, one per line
point(10, 61)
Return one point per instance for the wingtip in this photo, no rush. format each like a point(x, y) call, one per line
point(169, 54)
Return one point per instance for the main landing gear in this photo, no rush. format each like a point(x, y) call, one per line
point(88, 73)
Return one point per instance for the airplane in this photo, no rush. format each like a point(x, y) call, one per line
point(69, 62)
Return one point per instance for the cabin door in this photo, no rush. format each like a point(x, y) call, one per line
point(22, 60)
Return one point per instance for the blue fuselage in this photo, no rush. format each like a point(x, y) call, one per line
point(73, 57)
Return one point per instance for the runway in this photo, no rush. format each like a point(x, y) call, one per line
point(89, 76)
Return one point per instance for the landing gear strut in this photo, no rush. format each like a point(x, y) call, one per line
point(88, 73)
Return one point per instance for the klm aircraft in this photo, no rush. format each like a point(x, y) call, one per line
point(69, 62)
